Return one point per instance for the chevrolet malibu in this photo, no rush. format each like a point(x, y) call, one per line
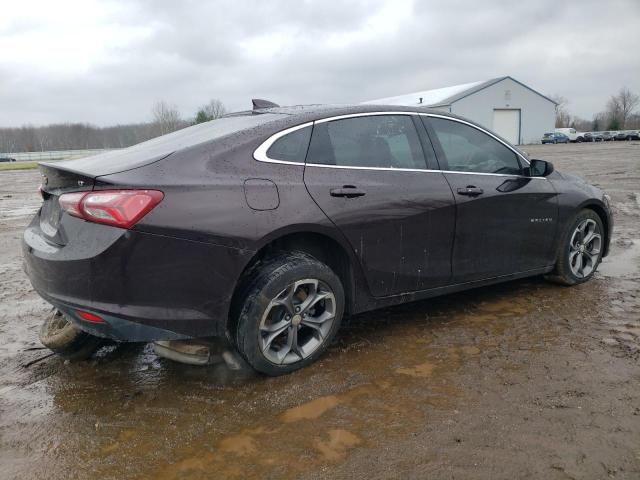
point(269, 226)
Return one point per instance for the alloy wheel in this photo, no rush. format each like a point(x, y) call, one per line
point(584, 248)
point(297, 321)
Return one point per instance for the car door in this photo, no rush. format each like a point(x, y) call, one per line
point(506, 221)
point(369, 175)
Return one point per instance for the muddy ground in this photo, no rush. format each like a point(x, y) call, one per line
point(522, 380)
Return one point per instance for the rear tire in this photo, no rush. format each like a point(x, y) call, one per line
point(288, 313)
point(61, 336)
point(580, 251)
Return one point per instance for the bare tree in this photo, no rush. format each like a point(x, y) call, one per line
point(599, 121)
point(68, 136)
point(563, 118)
point(581, 124)
point(166, 118)
point(212, 110)
point(633, 122)
point(626, 101)
point(614, 113)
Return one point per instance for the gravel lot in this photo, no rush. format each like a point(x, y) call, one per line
point(522, 380)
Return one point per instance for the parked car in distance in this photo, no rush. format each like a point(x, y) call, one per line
point(621, 135)
point(572, 133)
point(268, 226)
point(554, 138)
point(593, 137)
point(609, 136)
point(628, 135)
point(7, 159)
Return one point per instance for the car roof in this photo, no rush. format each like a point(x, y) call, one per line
point(295, 115)
point(307, 113)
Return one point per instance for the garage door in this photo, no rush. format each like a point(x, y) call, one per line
point(506, 123)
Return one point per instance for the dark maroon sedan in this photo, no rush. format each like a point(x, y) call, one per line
point(268, 226)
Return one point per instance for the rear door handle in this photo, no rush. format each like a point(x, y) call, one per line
point(470, 191)
point(348, 191)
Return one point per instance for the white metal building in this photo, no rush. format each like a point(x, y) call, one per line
point(510, 108)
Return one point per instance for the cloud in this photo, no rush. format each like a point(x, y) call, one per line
point(108, 62)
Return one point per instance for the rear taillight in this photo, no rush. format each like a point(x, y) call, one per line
point(90, 317)
point(119, 208)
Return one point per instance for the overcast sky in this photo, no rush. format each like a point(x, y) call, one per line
point(107, 62)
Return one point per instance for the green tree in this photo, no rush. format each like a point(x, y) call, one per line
point(212, 110)
point(614, 124)
point(202, 117)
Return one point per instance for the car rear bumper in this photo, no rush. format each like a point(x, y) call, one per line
point(113, 327)
point(145, 286)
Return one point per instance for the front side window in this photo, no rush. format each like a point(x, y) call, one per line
point(467, 149)
point(291, 147)
point(377, 141)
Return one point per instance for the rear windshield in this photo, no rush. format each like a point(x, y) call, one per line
point(159, 147)
point(548, 134)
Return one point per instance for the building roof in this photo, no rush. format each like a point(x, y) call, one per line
point(445, 96)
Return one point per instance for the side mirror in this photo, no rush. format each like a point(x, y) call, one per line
point(540, 168)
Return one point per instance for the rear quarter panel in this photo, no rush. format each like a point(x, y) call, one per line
point(205, 200)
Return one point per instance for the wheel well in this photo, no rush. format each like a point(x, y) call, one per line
point(605, 223)
point(324, 248)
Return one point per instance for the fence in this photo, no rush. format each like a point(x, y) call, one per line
point(54, 155)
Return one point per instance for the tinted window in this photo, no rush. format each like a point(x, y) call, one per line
point(388, 141)
point(291, 147)
point(467, 149)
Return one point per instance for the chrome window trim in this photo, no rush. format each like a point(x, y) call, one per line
point(260, 153)
point(424, 170)
point(444, 117)
point(365, 114)
point(386, 169)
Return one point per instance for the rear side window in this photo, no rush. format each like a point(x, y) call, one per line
point(468, 149)
point(377, 141)
point(291, 147)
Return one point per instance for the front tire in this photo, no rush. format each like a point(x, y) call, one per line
point(61, 336)
point(288, 313)
point(581, 250)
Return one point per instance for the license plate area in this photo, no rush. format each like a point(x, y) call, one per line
point(50, 215)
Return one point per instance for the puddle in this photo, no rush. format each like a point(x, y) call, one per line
point(310, 410)
point(241, 444)
point(335, 448)
point(422, 370)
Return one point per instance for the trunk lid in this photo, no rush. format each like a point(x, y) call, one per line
point(54, 182)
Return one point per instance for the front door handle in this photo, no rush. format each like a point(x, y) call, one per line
point(348, 191)
point(470, 191)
